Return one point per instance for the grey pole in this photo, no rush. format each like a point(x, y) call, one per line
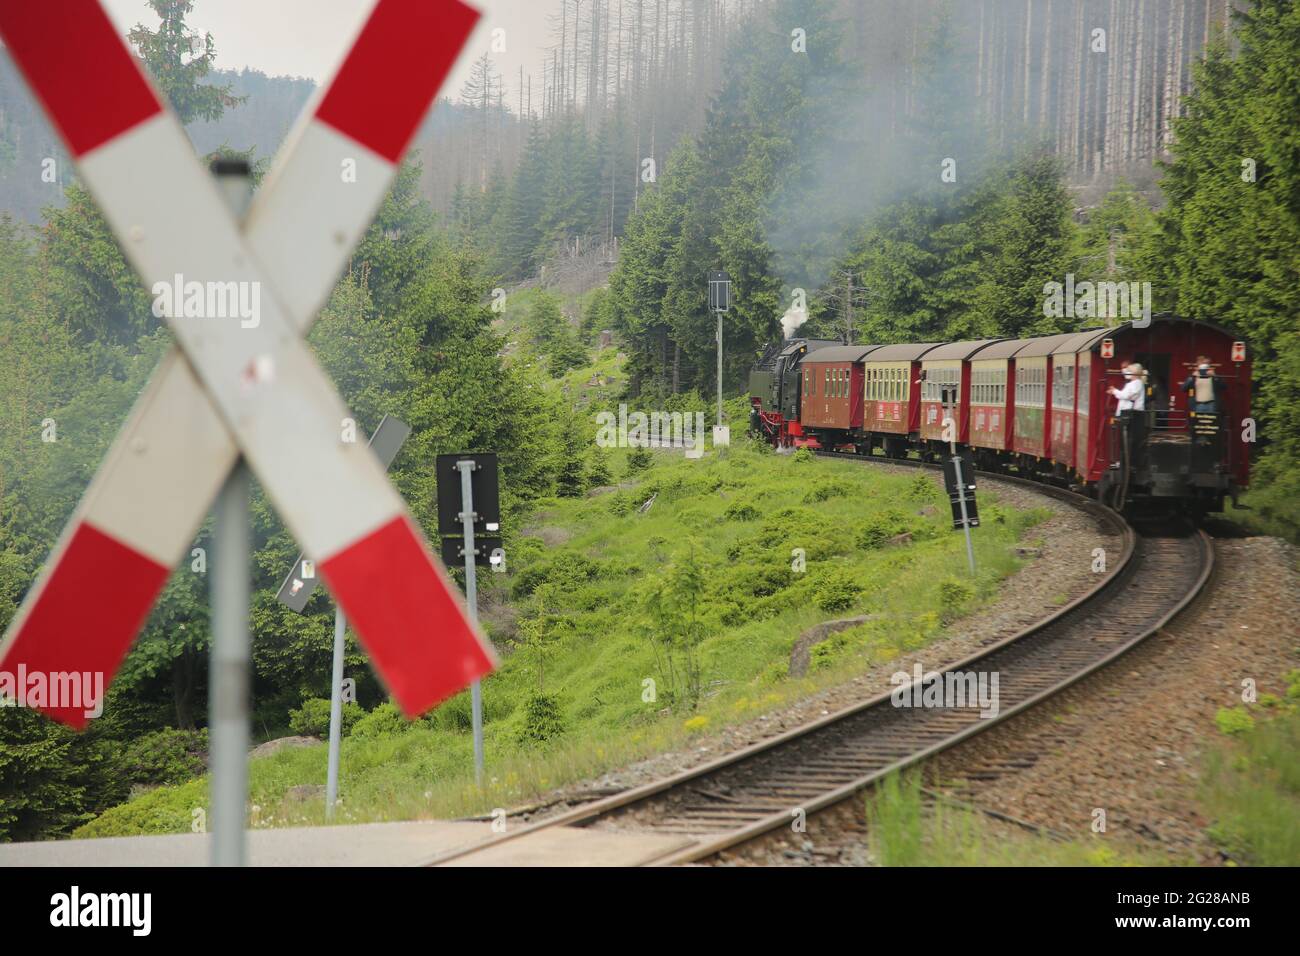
point(471, 598)
point(961, 491)
point(228, 694)
point(336, 715)
point(228, 710)
point(719, 369)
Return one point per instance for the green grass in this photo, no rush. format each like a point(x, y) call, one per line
point(904, 831)
point(742, 513)
point(1252, 782)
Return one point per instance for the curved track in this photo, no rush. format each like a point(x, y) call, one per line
point(761, 788)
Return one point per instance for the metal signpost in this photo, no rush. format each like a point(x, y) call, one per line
point(961, 492)
point(477, 506)
point(224, 393)
point(720, 303)
point(298, 588)
point(232, 645)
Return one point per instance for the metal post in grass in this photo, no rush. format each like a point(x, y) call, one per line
point(466, 467)
point(959, 492)
point(720, 302)
point(300, 585)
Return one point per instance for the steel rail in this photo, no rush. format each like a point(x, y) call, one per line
point(1176, 570)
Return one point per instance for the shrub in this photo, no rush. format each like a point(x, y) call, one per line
point(803, 456)
point(742, 511)
point(565, 571)
point(880, 527)
point(837, 592)
point(621, 504)
point(312, 719)
point(384, 721)
point(598, 472)
point(922, 488)
point(1233, 720)
point(766, 580)
point(166, 756)
point(542, 720)
point(954, 594)
point(827, 490)
point(638, 460)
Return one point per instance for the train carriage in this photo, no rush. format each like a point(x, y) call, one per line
point(946, 388)
point(1031, 434)
point(1169, 451)
point(892, 405)
point(1071, 378)
point(990, 405)
point(832, 393)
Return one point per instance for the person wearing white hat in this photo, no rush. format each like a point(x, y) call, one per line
point(1134, 393)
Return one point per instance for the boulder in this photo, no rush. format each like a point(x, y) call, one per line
point(305, 793)
point(280, 743)
point(802, 651)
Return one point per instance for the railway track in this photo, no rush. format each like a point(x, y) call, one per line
point(763, 787)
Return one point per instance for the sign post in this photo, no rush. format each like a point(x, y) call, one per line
point(719, 303)
point(300, 585)
point(466, 466)
point(231, 648)
point(959, 478)
point(478, 505)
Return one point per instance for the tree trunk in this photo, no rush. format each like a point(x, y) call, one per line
point(1029, 60)
point(183, 690)
point(1045, 81)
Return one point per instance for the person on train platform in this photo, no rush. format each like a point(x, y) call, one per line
point(1133, 396)
point(1203, 388)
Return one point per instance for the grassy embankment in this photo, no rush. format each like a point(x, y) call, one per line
point(1251, 791)
point(576, 607)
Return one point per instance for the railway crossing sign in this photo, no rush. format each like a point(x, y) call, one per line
point(246, 386)
point(300, 584)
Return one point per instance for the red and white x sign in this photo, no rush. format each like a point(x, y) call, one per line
point(240, 386)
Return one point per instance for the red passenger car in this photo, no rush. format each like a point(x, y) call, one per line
point(832, 388)
point(946, 389)
point(990, 403)
point(892, 405)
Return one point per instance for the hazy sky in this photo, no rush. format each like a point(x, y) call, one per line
point(309, 37)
